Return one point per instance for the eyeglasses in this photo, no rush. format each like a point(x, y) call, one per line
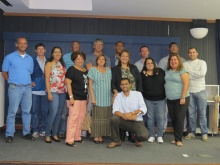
point(76, 45)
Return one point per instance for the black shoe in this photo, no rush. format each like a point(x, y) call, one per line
point(28, 137)
point(9, 139)
point(185, 133)
point(122, 134)
point(71, 145)
point(131, 137)
point(61, 136)
point(56, 140)
point(79, 141)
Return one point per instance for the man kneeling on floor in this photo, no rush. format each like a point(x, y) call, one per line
point(128, 108)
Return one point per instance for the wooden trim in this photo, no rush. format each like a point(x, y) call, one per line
point(103, 16)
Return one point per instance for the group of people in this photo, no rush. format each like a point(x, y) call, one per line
point(55, 94)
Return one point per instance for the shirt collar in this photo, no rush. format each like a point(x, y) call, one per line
point(38, 59)
point(20, 55)
point(128, 94)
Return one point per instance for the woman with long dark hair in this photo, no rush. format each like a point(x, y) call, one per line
point(154, 97)
point(56, 92)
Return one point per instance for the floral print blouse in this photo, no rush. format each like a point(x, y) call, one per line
point(57, 77)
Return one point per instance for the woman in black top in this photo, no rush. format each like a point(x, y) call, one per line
point(77, 87)
point(125, 69)
point(154, 96)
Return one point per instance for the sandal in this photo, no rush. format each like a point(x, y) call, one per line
point(173, 142)
point(179, 144)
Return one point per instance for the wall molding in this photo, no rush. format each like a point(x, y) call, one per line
point(104, 16)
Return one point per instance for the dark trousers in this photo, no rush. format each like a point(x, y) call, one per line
point(136, 127)
point(177, 114)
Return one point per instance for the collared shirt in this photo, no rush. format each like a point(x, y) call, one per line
point(42, 65)
point(197, 70)
point(139, 64)
point(67, 60)
point(163, 62)
point(125, 104)
point(19, 69)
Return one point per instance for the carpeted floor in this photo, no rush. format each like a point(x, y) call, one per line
point(37, 152)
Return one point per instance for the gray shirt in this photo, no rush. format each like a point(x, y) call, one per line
point(139, 64)
point(163, 62)
point(92, 59)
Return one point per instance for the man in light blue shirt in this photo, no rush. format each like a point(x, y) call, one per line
point(67, 57)
point(68, 62)
point(17, 69)
point(128, 109)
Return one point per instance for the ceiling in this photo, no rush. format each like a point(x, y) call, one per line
point(163, 9)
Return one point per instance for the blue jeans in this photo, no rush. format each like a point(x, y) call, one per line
point(19, 95)
point(54, 114)
point(39, 110)
point(63, 120)
point(198, 105)
point(155, 110)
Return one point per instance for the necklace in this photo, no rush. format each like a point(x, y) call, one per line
point(80, 68)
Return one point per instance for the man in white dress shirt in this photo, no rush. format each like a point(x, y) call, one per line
point(198, 101)
point(128, 109)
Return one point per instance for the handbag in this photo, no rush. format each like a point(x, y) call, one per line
point(86, 126)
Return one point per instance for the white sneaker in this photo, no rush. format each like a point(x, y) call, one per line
point(189, 136)
point(205, 137)
point(42, 133)
point(151, 139)
point(159, 139)
point(35, 135)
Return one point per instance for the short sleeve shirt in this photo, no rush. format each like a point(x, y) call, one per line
point(174, 84)
point(79, 83)
point(92, 59)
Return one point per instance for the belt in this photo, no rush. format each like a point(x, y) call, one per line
point(18, 84)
